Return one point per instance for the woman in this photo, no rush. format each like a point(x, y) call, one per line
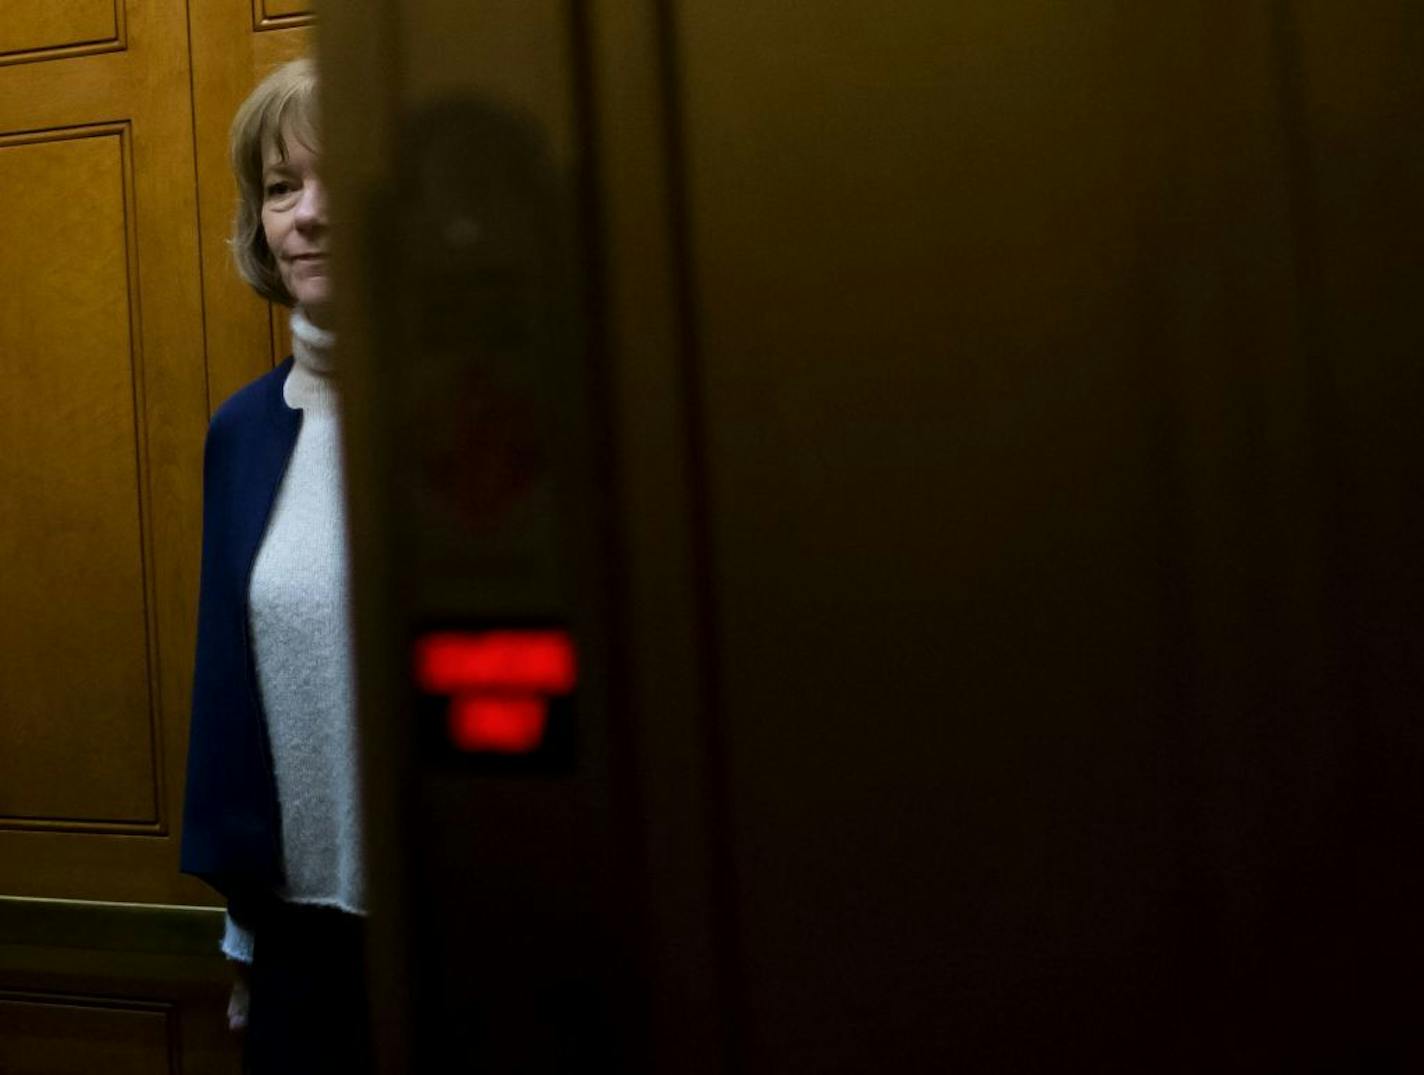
point(271, 817)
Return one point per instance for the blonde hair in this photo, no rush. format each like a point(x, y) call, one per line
point(283, 105)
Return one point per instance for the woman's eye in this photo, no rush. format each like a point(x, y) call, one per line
point(277, 189)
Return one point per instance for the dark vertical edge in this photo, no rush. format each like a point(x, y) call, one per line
point(1148, 167)
point(723, 875)
point(1347, 682)
point(373, 28)
point(626, 903)
point(1328, 449)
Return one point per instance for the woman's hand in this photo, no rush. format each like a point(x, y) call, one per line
point(240, 1000)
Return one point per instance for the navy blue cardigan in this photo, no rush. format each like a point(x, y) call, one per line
point(231, 819)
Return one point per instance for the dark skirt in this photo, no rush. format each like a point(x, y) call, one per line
point(308, 1014)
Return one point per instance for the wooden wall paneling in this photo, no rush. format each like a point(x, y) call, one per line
point(88, 987)
point(35, 30)
point(232, 50)
point(41, 1033)
point(105, 406)
point(174, 386)
point(81, 752)
point(269, 14)
point(135, 310)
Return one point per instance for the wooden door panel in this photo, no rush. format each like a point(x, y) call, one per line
point(58, 1035)
point(103, 407)
point(267, 13)
point(32, 28)
point(94, 987)
point(102, 388)
point(75, 675)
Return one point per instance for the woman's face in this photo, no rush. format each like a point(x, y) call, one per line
point(294, 221)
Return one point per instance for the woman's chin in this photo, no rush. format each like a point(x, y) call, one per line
point(315, 302)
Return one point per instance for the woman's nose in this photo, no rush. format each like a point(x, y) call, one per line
point(311, 207)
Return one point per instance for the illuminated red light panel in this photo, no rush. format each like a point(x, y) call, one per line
point(525, 662)
point(497, 725)
point(500, 683)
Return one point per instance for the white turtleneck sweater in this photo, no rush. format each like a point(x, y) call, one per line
point(299, 613)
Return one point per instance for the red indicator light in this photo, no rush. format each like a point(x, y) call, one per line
point(497, 725)
point(536, 662)
point(500, 684)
